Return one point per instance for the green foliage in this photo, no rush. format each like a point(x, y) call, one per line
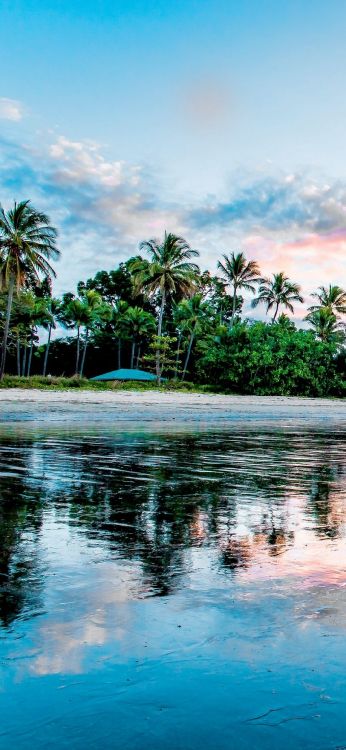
point(270, 359)
point(197, 321)
point(326, 325)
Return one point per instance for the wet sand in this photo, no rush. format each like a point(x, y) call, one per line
point(154, 407)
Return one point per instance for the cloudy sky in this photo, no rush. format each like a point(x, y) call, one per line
point(224, 121)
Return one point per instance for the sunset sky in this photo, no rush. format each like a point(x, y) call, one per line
point(223, 121)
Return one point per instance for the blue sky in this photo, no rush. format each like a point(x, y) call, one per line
point(224, 120)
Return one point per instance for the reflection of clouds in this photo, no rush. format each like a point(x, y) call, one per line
point(307, 559)
point(96, 613)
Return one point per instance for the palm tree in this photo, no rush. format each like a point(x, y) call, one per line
point(139, 325)
point(84, 312)
point(192, 315)
point(53, 309)
point(239, 273)
point(96, 311)
point(118, 321)
point(21, 321)
point(27, 244)
point(326, 325)
point(332, 297)
point(76, 315)
point(39, 316)
point(276, 292)
point(169, 271)
point(179, 316)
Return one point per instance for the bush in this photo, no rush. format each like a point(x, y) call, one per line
point(271, 360)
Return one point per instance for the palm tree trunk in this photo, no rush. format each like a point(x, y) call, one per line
point(177, 357)
point(159, 333)
point(77, 352)
point(133, 347)
point(7, 326)
point(30, 353)
point(234, 302)
point(119, 354)
point(47, 352)
point(18, 354)
point(163, 303)
point(84, 351)
point(276, 312)
point(24, 356)
point(138, 356)
point(188, 353)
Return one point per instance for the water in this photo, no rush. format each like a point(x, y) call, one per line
point(172, 590)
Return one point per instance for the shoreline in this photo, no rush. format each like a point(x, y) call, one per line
point(114, 408)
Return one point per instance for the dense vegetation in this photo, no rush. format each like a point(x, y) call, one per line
point(158, 311)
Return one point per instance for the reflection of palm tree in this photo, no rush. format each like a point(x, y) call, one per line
point(236, 554)
point(20, 579)
point(161, 496)
point(324, 504)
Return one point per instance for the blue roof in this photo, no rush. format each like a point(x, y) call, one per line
point(126, 375)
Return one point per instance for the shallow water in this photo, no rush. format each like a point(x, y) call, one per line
point(172, 590)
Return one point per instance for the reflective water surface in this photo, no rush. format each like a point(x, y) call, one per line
point(172, 590)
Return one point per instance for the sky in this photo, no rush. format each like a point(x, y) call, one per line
point(222, 121)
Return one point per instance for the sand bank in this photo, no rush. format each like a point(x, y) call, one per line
point(140, 407)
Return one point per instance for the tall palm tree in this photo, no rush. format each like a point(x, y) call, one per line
point(332, 297)
point(326, 325)
point(169, 271)
point(239, 273)
point(27, 244)
point(278, 292)
point(139, 325)
point(192, 317)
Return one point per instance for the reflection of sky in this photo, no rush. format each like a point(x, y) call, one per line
point(256, 594)
point(91, 606)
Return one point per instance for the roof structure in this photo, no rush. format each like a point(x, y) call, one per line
point(126, 375)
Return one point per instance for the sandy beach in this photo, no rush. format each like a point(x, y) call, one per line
point(106, 407)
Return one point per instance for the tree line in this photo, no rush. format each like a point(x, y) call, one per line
point(159, 311)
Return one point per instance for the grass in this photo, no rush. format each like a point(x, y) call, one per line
point(66, 384)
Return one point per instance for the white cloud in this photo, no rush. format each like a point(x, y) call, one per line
point(103, 207)
point(11, 109)
point(82, 160)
